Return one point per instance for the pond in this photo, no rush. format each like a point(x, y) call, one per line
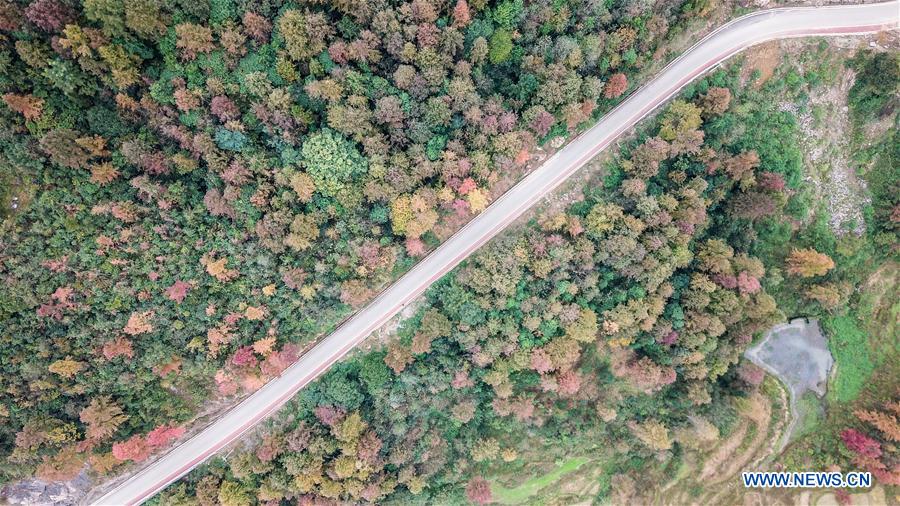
point(797, 354)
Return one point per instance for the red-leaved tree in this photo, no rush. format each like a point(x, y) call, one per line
point(478, 490)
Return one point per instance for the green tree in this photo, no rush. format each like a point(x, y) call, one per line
point(332, 161)
point(233, 494)
point(500, 46)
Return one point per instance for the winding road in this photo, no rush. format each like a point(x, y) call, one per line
point(715, 48)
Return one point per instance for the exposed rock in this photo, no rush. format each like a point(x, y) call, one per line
point(39, 492)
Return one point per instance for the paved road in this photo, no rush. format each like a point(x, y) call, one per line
point(712, 50)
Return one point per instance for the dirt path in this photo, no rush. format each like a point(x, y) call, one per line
point(728, 490)
point(760, 412)
point(714, 477)
point(723, 453)
point(781, 426)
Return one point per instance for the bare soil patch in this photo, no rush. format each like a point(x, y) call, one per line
point(764, 58)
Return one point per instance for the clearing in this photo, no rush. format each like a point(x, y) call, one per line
point(529, 488)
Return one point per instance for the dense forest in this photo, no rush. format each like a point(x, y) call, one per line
point(193, 191)
point(620, 318)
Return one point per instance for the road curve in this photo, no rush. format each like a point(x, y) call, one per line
point(724, 42)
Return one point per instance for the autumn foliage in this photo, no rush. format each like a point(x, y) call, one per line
point(211, 187)
point(626, 312)
point(808, 263)
point(616, 85)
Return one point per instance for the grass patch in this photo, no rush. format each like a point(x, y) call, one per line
point(860, 348)
point(810, 414)
point(749, 437)
point(880, 309)
point(774, 389)
point(531, 487)
point(850, 347)
point(684, 471)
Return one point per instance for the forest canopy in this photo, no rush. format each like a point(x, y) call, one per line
point(194, 190)
point(620, 318)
